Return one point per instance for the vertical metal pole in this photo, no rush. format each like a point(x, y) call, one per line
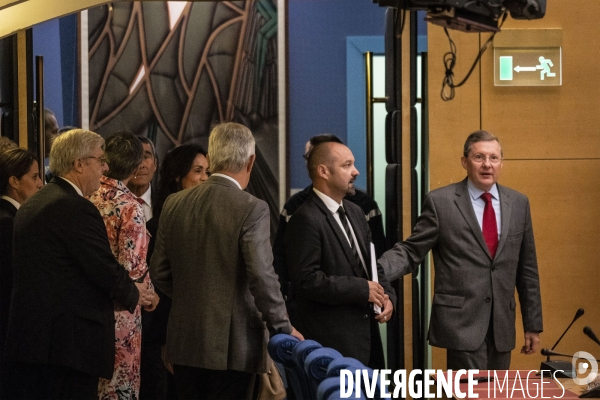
point(41, 120)
point(23, 101)
point(369, 119)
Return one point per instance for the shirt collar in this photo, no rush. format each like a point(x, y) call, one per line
point(330, 203)
point(12, 201)
point(72, 184)
point(147, 196)
point(228, 177)
point(476, 193)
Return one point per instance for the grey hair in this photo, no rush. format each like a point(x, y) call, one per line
point(124, 154)
point(479, 136)
point(70, 146)
point(230, 146)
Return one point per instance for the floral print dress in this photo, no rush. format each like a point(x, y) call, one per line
point(126, 227)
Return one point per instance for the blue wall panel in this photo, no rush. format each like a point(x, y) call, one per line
point(46, 43)
point(317, 68)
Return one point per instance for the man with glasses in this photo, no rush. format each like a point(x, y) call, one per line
point(61, 332)
point(141, 183)
point(483, 248)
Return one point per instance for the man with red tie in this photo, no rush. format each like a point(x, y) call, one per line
point(483, 248)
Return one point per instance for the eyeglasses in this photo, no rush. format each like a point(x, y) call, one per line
point(480, 158)
point(101, 159)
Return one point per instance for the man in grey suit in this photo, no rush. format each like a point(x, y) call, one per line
point(483, 247)
point(213, 258)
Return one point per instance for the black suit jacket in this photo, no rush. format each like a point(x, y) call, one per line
point(65, 281)
point(7, 216)
point(331, 286)
point(371, 213)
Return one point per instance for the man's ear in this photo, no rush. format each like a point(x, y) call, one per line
point(250, 163)
point(463, 161)
point(323, 171)
point(78, 165)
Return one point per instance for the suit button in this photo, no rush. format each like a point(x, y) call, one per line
point(488, 299)
point(366, 316)
point(493, 269)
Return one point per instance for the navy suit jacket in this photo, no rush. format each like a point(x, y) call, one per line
point(7, 216)
point(65, 282)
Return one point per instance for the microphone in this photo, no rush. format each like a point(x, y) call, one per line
point(590, 333)
point(564, 366)
point(547, 352)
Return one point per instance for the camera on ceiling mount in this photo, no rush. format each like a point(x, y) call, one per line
point(471, 15)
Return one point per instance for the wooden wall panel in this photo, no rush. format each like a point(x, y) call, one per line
point(448, 124)
point(564, 200)
point(552, 122)
point(551, 142)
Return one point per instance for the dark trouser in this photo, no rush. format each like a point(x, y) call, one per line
point(209, 384)
point(486, 357)
point(377, 359)
point(157, 383)
point(36, 381)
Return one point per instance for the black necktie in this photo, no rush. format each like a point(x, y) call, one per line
point(346, 226)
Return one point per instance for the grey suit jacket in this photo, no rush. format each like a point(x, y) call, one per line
point(213, 257)
point(470, 287)
point(331, 287)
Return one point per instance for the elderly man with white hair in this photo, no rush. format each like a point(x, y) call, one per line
point(61, 334)
point(213, 257)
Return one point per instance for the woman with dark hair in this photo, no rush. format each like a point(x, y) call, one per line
point(19, 180)
point(126, 228)
point(184, 167)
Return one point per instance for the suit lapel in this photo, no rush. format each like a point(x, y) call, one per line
point(337, 230)
point(361, 235)
point(8, 206)
point(505, 211)
point(465, 206)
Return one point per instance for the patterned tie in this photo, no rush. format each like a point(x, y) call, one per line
point(489, 228)
point(346, 226)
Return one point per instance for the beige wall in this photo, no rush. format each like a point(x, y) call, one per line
point(551, 143)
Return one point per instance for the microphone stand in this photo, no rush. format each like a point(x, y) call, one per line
point(563, 369)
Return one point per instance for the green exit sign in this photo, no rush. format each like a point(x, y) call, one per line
point(528, 66)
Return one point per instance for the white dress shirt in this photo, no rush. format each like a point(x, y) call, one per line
point(74, 185)
point(12, 201)
point(333, 206)
point(147, 203)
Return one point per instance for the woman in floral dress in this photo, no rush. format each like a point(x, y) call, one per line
point(126, 228)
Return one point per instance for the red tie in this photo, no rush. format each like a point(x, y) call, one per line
point(489, 228)
point(140, 200)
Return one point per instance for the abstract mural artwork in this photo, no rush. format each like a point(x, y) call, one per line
point(172, 70)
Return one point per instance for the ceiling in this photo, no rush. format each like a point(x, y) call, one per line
point(21, 14)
